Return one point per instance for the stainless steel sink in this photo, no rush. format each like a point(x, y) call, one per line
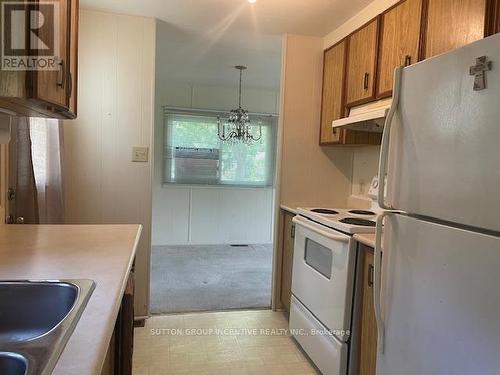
point(36, 320)
point(30, 310)
point(12, 364)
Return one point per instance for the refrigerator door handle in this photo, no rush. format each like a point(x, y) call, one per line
point(377, 271)
point(376, 284)
point(384, 149)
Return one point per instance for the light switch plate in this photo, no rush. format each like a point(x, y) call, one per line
point(140, 154)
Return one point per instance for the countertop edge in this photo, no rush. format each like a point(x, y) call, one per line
point(103, 253)
point(117, 303)
point(288, 208)
point(365, 239)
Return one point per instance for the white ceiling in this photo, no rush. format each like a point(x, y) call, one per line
point(191, 57)
point(200, 40)
point(309, 17)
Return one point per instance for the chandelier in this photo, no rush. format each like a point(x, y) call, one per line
point(237, 127)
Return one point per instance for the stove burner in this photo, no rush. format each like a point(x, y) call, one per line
point(324, 211)
point(358, 221)
point(362, 212)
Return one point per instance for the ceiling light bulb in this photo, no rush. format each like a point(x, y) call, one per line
point(252, 1)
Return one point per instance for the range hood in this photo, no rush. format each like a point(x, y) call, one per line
point(367, 117)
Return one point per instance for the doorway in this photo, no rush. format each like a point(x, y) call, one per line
point(213, 199)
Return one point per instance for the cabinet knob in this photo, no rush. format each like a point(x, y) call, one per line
point(11, 194)
point(370, 275)
point(407, 60)
point(60, 74)
point(365, 81)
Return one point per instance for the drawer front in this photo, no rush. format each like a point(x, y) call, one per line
point(327, 353)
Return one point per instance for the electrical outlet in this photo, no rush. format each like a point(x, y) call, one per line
point(140, 154)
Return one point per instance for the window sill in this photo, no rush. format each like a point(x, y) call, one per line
point(222, 186)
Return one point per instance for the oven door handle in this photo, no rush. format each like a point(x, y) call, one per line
point(304, 223)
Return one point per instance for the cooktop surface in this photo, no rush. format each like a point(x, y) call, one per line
point(349, 221)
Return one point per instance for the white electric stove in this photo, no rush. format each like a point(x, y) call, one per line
point(323, 282)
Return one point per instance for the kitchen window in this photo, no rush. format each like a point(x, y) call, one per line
point(193, 153)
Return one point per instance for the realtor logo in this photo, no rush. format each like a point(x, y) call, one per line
point(30, 35)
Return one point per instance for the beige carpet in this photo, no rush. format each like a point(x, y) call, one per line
point(210, 278)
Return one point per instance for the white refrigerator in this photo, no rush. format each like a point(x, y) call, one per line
point(437, 285)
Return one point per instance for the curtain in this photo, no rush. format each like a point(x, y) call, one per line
point(47, 149)
point(25, 207)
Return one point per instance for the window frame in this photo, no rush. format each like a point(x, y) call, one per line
point(272, 147)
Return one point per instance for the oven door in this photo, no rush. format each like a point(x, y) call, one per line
point(323, 274)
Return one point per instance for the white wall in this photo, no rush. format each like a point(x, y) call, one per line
point(364, 167)
point(216, 97)
point(212, 215)
point(310, 175)
point(209, 215)
point(355, 22)
point(115, 112)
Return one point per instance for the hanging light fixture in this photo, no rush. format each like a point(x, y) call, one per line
point(237, 127)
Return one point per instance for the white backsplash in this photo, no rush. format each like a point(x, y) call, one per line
point(364, 167)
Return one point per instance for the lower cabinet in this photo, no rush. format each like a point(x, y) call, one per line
point(119, 357)
point(287, 259)
point(367, 325)
point(124, 331)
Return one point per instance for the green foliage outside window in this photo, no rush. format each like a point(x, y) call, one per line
point(239, 164)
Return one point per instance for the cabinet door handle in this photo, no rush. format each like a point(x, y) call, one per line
point(60, 74)
point(70, 85)
point(370, 275)
point(407, 60)
point(292, 231)
point(365, 81)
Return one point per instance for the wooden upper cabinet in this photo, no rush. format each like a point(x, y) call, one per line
point(360, 68)
point(4, 163)
point(452, 24)
point(361, 62)
point(399, 42)
point(50, 85)
point(332, 105)
point(46, 93)
point(59, 87)
point(73, 57)
point(492, 20)
point(494, 17)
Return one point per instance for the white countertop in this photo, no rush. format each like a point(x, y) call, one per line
point(103, 253)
